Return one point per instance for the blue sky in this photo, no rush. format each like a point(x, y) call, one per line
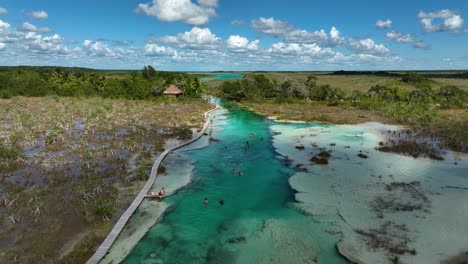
point(205, 35)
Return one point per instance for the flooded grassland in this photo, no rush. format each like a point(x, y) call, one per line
point(69, 167)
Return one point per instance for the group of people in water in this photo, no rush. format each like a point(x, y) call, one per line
point(234, 170)
point(162, 192)
point(221, 201)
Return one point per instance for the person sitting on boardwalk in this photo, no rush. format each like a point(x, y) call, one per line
point(162, 192)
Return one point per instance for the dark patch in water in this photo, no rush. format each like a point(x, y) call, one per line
point(218, 255)
point(237, 240)
point(362, 156)
point(223, 227)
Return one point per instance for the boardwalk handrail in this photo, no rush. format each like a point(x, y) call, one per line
point(114, 233)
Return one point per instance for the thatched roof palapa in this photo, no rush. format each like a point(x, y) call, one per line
point(173, 90)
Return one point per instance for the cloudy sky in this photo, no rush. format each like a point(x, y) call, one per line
point(203, 35)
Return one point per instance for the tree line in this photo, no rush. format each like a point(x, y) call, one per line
point(390, 99)
point(74, 82)
point(259, 88)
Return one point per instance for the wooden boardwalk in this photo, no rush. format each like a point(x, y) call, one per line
point(114, 233)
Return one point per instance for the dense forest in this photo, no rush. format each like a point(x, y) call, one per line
point(43, 81)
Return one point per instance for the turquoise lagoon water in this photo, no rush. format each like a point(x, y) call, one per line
point(258, 222)
point(287, 210)
point(223, 76)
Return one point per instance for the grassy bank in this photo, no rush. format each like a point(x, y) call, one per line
point(316, 111)
point(70, 166)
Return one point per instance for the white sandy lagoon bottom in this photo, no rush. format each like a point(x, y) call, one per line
point(294, 211)
point(385, 201)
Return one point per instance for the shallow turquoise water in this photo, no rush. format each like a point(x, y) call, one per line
point(223, 76)
point(264, 221)
point(258, 222)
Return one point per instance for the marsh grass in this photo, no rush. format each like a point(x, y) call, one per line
point(65, 160)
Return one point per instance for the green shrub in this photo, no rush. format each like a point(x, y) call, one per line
point(450, 96)
point(8, 154)
point(94, 198)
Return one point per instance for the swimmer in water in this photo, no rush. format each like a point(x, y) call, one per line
point(221, 202)
point(205, 201)
point(234, 170)
point(241, 173)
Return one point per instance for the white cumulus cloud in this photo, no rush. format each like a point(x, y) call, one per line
point(419, 44)
point(100, 49)
point(47, 45)
point(6, 34)
point(237, 43)
point(196, 38)
point(3, 10)
point(304, 36)
point(4, 26)
point(383, 23)
point(399, 37)
point(42, 15)
point(451, 21)
point(28, 27)
point(299, 50)
point(287, 31)
point(335, 37)
point(367, 46)
point(156, 50)
point(180, 10)
point(271, 26)
point(2, 46)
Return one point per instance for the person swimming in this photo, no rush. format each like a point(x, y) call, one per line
point(234, 170)
point(205, 201)
point(241, 173)
point(251, 135)
point(221, 202)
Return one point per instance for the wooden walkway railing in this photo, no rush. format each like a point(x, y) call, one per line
point(114, 233)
